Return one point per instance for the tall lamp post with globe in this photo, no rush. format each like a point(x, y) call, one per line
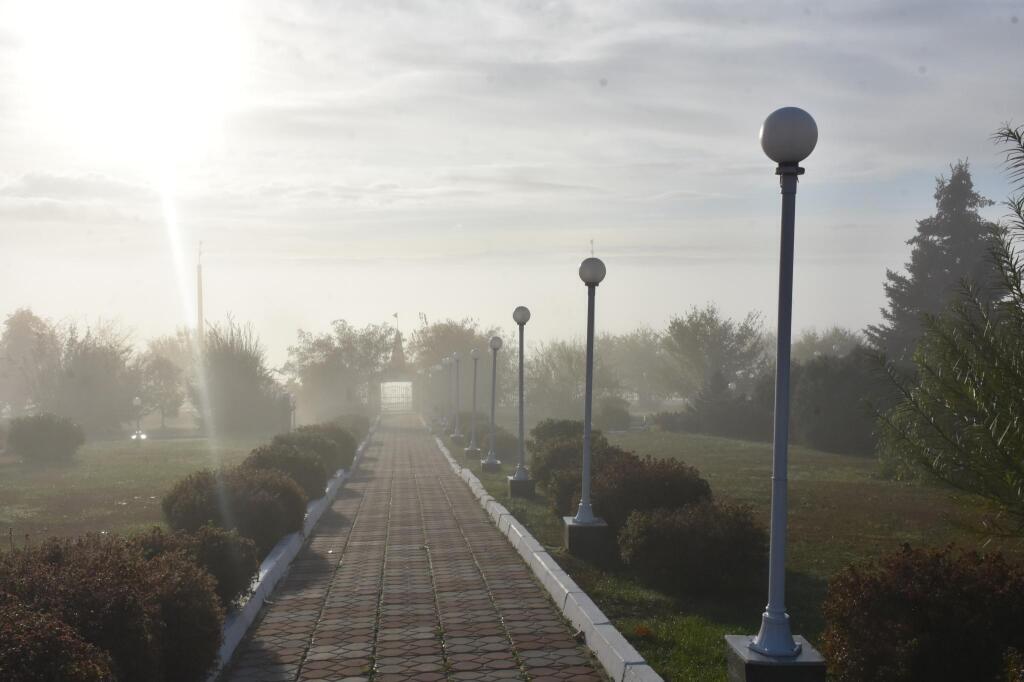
point(456, 435)
point(585, 535)
point(492, 463)
point(139, 434)
point(519, 483)
point(473, 450)
point(788, 136)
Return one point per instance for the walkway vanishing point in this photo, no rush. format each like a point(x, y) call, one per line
point(406, 578)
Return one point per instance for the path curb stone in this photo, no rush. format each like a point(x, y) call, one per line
point(275, 565)
point(620, 660)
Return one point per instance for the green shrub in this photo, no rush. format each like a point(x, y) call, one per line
point(335, 446)
point(551, 430)
point(37, 647)
point(227, 556)
point(358, 425)
point(696, 549)
point(917, 614)
point(623, 483)
point(563, 454)
point(44, 438)
point(262, 505)
point(1013, 662)
point(98, 586)
point(190, 616)
point(302, 466)
point(612, 413)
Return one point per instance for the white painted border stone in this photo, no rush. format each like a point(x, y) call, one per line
point(620, 660)
point(275, 566)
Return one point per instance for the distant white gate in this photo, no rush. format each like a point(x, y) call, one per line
point(396, 396)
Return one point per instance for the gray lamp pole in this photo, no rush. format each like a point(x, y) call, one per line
point(592, 271)
point(457, 433)
point(492, 463)
point(788, 136)
point(138, 436)
point(473, 450)
point(519, 483)
point(450, 366)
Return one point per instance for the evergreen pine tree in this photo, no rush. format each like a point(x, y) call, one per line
point(949, 247)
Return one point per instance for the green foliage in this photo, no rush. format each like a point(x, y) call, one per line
point(240, 395)
point(335, 371)
point(302, 466)
point(335, 446)
point(612, 413)
point(30, 352)
point(831, 410)
point(720, 410)
point(556, 377)
point(697, 548)
point(559, 452)
point(37, 647)
point(834, 341)
point(637, 362)
point(227, 556)
point(704, 345)
point(162, 386)
point(624, 483)
point(261, 505)
point(960, 418)
point(549, 430)
point(949, 246)
point(924, 615)
point(44, 438)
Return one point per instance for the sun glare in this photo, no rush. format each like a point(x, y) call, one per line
point(134, 80)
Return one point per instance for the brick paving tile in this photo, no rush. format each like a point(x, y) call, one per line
point(406, 579)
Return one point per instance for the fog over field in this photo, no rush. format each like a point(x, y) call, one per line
point(359, 159)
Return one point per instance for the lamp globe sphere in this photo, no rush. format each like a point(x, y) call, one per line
point(474, 354)
point(521, 315)
point(592, 271)
point(495, 343)
point(789, 135)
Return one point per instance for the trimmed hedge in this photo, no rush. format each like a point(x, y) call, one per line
point(624, 483)
point(358, 425)
point(302, 466)
point(44, 438)
point(938, 615)
point(157, 619)
point(37, 647)
point(335, 446)
point(699, 548)
point(227, 556)
point(262, 505)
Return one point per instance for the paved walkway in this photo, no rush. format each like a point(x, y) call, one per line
point(406, 578)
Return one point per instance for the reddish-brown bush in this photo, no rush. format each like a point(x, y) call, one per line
point(37, 647)
point(937, 615)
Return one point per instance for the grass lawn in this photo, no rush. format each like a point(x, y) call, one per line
point(839, 512)
point(113, 486)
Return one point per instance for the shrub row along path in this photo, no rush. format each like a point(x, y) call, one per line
point(406, 578)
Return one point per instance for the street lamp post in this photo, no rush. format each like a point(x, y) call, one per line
point(492, 463)
point(788, 136)
point(449, 392)
point(473, 450)
point(456, 435)
point(519, 483)
point(138, 436)
point(585, 534)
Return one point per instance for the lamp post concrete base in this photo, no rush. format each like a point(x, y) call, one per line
point(746, 665)
point(586, 540)
point(525, 487)
point(490, 465)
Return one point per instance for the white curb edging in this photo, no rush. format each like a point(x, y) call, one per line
point(275, 565)
point(620, 660)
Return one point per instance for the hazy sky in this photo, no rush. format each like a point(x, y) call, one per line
point(360, 158)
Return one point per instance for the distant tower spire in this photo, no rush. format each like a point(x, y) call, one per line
point(200, 327)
